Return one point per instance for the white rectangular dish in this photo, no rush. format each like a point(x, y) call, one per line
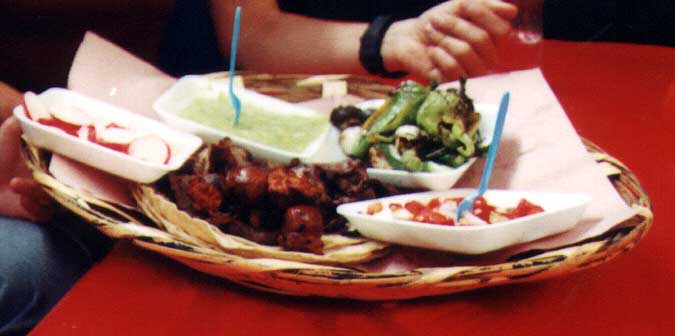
point(441, 180)
point(193, 87)
point(561, 213)
point(180, 145)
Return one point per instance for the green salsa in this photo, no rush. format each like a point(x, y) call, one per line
point(288, 132)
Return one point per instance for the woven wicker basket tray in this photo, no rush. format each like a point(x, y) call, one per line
point(306, 279)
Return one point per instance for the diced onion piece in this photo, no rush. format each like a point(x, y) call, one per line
point(496, 217)
point(374, 208)
point(401, 213)
point(469, 219)
point(448, 208)
point(408, 132)
point(349, 139)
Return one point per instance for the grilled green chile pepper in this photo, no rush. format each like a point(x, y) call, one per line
point(437, 106)
point(430, 112)
point(452, 160)
point(400, 108)
point(468, 148)
point(361, 148)
point(405, 161)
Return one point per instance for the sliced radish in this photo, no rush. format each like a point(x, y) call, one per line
point(115, 138)
point(100, 126)
point(115, 124)
point(115, 135)
point(87, 133)
point(71, 115)
point(150, 148)
point(35, 108)
point(68, 128)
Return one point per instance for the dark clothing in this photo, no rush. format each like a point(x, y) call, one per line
point(636, 21)
point(38, 264)
point(189, 46)
point(357, 10)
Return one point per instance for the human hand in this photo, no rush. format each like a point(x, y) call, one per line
point(456, 38)
point(20, 195)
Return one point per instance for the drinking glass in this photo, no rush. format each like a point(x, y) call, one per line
point(522, 49)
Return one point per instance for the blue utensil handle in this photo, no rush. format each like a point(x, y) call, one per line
point(233, 61)
point(467, 203)
point(494, 146)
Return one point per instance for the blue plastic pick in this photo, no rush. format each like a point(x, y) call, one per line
point(467, 202)
point(236, 103)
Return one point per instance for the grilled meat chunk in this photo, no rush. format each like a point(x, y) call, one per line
point(246, 184)
point(290, 205)
point(302, 229)
point(197, 194)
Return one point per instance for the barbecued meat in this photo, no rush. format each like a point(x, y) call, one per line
point(347, 181)
point(302, 229)
point(258, 235)
point(288, 187)
point(225, 155)
point(198, 194)
point(246, 184)
point(201, 161)
point(289, 205)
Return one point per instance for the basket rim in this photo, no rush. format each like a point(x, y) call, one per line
point(303, 279)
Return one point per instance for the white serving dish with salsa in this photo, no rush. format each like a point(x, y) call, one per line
point(269, 128)
point(561, 212)
point(179, 145)
point(440, 180)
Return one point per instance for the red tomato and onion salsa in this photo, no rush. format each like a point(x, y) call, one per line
point(442, 211)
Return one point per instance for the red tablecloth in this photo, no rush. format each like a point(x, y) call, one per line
point(619, 96)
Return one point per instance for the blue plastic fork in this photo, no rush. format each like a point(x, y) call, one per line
point(467, 202)
point(236, 103)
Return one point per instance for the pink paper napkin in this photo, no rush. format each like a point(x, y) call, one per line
point(105, 71)
point(540, 149)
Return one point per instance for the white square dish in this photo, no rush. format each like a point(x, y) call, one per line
point(561, 212)
point(180, 145)
point(189, 88)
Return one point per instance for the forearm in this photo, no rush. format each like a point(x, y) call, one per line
point(281, 42)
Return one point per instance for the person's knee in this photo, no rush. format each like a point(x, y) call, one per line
point(38, 264)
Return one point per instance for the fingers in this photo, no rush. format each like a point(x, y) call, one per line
point(403, 48)
point(10, 133)
point(488, 16)
point(455, 57)
point(419, 63)
point(477, 38)
point(29, 187)
point(33, 198)
point(447, 66)
point(505, 10)
point(37, 212)
point(467, 31)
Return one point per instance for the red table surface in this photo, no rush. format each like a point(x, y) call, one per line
point(619, 96)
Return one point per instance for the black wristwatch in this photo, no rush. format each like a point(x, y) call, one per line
point(371, 43)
